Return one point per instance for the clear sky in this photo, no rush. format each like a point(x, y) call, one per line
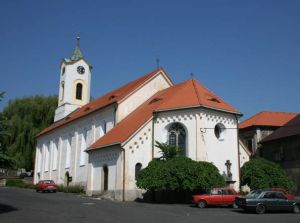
point(247, 52)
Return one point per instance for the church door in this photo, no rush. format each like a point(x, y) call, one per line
point(105, 178)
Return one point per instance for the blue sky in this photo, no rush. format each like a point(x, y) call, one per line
point(247, 52)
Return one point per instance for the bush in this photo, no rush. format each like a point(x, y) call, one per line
point(261, 173)
point(179, 173)
point(76, 189)
point(19, 183)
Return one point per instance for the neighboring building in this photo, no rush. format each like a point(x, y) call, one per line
point(283, 147)
point(259, 126)
point(103, 144)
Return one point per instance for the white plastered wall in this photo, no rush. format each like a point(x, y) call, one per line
point(128, 105)
point(201, 142)
point(93, 123)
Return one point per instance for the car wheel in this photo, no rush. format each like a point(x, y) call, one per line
point(260, 209)
point(37, 190)
point(54, 191)
point(296, 209)
point(202, 204)
point(234, 206)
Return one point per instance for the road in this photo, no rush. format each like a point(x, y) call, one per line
point(24, 205)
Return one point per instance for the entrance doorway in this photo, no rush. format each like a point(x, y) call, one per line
point(105, 178)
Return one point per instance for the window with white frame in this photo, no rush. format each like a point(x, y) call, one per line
point(68, 153)
point(39, 159)
point(46, 167)
point(83, 147)
point(54, 154)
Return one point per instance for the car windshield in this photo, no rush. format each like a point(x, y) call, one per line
point(253, 194)
point(48, 182)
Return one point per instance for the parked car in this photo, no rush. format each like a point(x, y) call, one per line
point(286, 193)
point(46, 185)
point(216, 196)
point(261, 201)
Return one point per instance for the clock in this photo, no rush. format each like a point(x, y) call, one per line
point(80, 69)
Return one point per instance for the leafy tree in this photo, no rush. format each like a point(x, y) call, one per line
point(261, 173)
point(168, 151)
point(26, 117)
point(179, 173)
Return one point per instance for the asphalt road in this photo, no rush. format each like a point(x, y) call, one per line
point(23, 205)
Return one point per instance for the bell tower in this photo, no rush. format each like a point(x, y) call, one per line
point(74, 84)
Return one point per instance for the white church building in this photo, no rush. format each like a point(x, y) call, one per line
point(102, 144)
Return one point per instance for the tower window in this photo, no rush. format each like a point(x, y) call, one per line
point(79, 91)
point(62, 91)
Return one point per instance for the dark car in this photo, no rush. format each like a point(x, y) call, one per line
point(46, 185)
point(216, 196)
point(261, 201)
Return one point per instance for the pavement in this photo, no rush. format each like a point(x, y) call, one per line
point(25, 205)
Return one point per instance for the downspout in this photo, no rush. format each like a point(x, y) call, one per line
point(123, 194)
point(238, 144)
point(153, 120)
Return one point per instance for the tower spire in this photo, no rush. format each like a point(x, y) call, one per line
point(77, 54)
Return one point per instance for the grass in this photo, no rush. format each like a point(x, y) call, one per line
point(19, 183)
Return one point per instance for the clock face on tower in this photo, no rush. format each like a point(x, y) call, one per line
point(80, 69)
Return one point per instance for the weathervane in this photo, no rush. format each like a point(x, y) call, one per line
point(192, 76)
point(78, 39)
point(157, 62)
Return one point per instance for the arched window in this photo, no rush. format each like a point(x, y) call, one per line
point(79, 91)
point(177, 136)
point(138, 168)
point(62, 91)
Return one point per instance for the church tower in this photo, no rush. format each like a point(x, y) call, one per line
point(74, 84)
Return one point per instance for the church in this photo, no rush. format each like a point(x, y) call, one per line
point(102, 144)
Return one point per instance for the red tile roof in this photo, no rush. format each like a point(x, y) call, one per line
point(267, 118)
point(184, 95)
point(291, 128)
point(112, 97)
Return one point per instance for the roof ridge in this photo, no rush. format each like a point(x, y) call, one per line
point(197, 93)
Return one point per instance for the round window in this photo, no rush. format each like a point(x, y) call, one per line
point(220, 131)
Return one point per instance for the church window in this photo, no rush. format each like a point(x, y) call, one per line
point(219, 131)
point(104, 127)
point(83, 148)
point(62, 91)
point(79, 91)
point(55, 155)
point(63, 71)
point(46, 168)
point(68, 153)
point(177, 136)
point(138, 168)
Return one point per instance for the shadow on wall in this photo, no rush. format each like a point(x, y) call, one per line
point(6, 208)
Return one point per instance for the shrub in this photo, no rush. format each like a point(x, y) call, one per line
point(179, 173)
point(261, 173)
point(19, 183)
point(76, 189)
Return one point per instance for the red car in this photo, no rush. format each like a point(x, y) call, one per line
point(216, 196)
point(46, 185)
point(286, 193)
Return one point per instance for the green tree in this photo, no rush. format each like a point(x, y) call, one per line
point(168, 151)
point(179, 173)
point(26, 117)
point(5, 160)
point(261, 173)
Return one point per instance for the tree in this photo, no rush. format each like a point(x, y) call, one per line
point(261, 173)
point(26, 117)
point(168, 151)
point(179, 173)
point(5, 160)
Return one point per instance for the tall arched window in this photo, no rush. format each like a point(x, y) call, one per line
point(138, 168)
point(177, 136)
point(62, 91)
point(79, 91)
